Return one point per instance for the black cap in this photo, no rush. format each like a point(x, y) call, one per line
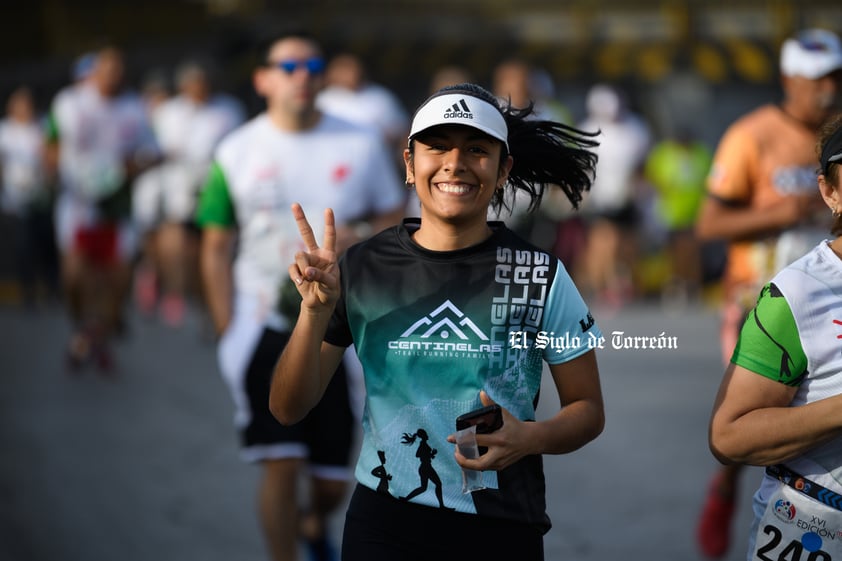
point(832, 150)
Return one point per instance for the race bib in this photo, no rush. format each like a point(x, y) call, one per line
point(796, 527)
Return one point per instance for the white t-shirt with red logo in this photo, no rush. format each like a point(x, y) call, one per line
point(262, 170)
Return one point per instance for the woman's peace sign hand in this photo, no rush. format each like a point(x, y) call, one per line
point(315, 272)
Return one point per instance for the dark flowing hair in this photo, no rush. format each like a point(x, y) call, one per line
point(545, 153)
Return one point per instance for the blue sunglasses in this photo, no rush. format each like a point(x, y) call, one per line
point(313, 65)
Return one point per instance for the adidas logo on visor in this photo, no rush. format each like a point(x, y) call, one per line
point(458, 110)
point(451, 108)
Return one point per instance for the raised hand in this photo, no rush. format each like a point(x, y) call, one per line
point(315, 271)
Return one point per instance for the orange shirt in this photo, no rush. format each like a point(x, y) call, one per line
point(763, 157)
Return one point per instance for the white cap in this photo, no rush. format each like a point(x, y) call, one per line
point(460, 108)
point(813, 53)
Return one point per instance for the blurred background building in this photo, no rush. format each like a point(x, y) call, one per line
point(675, 58)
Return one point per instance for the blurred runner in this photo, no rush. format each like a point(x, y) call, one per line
point(611, 209)
point(677, 168)
point(188, 127)
point(350, 94)
point(102, 140)
point(291, 152)
point(26, 197)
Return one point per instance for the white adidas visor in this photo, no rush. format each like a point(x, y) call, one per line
point(460, 109)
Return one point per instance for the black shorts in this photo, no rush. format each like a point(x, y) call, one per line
point(379, 527)
point(326, 432)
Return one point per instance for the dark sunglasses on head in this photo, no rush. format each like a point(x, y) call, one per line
point(313, 65)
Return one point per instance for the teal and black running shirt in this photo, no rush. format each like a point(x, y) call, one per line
point(432, 329)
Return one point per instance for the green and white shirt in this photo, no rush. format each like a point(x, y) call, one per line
point(98, 136)
point(260, 170)
point(794, 336)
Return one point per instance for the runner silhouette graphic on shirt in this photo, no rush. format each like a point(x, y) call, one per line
point(381, 473)
point(426, 473)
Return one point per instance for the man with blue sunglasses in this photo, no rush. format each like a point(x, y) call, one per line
point(291, 152)
point(315, 65)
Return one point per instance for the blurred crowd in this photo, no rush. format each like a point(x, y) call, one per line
point(139, 155)
point(631, 240)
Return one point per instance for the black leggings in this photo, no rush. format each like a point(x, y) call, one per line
point(382, 528)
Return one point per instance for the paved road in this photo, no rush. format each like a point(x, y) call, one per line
point(144, 467)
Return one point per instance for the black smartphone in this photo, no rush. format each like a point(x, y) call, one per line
point(487, 419)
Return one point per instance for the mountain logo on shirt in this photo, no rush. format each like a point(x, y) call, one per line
point(445, 321)
point(445, 332)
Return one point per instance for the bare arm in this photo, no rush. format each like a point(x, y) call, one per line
point(580, 419)
point(216, 254)
point(307, 363)
point(753, 423)
point(718, 220)
point(51, 158)
point(303, 371)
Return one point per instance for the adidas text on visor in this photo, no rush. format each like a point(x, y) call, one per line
point(460, 109)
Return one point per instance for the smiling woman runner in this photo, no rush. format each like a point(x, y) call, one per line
point(429, 306)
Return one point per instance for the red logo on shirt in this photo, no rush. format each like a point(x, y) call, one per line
point(267, 173)
point(837, 322)
point(340, 173)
